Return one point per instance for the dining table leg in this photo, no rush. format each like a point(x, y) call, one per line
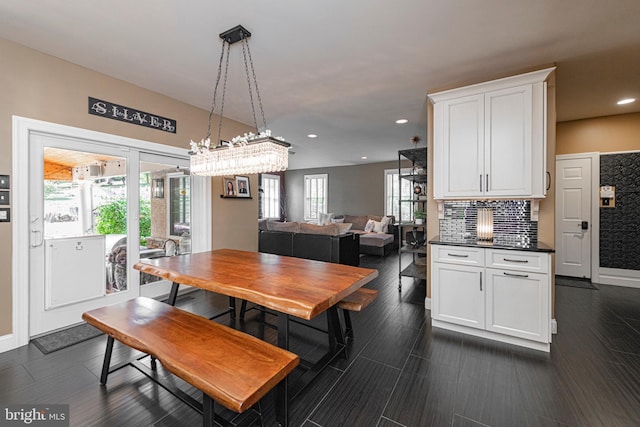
point(282, 389)
point(173, 295)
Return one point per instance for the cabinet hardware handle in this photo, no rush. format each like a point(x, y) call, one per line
point(481, 183)
point(459, 256)
point(515, 275)
point(487, 186)
point(549, 184)
point(524, 261)
point(481, 281)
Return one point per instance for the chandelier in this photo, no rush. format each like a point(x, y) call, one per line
point(250, 153)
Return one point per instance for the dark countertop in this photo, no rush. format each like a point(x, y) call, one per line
point(534, 247)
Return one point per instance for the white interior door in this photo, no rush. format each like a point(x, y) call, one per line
point(573, 217)
point(69, 268)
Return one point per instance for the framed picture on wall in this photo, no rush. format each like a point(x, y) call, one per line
point(229, 189)
point(242, 186)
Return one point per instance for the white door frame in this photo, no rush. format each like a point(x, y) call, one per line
point(595, 209)
point(22, 128)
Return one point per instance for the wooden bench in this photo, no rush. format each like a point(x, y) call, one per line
point(357, 301)
point(230, 367)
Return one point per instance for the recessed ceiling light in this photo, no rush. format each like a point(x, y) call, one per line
point(401, 121)
point(626, 101)
point(312, 135)
point(364, 157)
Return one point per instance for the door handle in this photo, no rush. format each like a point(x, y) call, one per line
point(481, 281)
point(481, 183)
point(515, 275)
point(486, 187)
point(524, 261)
point(584, 225)
point(38, 239)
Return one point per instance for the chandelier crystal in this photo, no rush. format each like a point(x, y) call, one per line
point(245, 154)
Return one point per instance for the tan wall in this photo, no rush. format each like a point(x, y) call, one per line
point(602, 134)
point(235, 221)
point(43, 87)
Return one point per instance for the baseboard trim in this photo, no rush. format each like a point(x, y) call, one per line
point(554, 326)
point(8, 342)
point(618, 277)
point(535, 345)
point(427, 303)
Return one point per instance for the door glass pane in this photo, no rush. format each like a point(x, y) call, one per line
point(165, 212)
point(85, 194)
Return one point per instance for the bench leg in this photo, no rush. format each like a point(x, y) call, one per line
point(107, 361)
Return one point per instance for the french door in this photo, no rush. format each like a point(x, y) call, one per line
point(94, 210)
point(78, 192)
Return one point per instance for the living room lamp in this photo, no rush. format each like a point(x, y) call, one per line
point(245, 154)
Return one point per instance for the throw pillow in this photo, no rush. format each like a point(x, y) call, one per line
point(369, 226)
point(377, 227)
point(385, 224)
point(325, 218)
point(344, 227)
point(337, 220)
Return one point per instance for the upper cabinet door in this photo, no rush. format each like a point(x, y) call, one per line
point(459, 155)
point(507, 142)
point(490, 139)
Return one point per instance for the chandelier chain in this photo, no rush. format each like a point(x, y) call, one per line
point(224, 91)
point(255, 82)
point(215, 93)
point(246, 68)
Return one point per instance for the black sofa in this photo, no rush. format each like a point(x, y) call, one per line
point(340, 249)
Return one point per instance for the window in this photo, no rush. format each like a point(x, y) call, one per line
point(315, 196)
point(270, 196)
point(393, 192)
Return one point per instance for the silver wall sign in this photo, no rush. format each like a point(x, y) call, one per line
point(113, 111)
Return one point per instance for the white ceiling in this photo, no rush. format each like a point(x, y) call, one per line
point(345, 70)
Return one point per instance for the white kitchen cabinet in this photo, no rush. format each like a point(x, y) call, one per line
point(500, 294)
point(490, 139)
point(457, 295)
point(517, 304)
point(459, 149)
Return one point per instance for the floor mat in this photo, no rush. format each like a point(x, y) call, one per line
point(65, 338)
point(575, 282)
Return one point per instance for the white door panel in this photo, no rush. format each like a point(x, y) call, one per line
point(573, 207)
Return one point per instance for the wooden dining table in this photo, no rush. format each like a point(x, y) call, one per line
point(288, 286)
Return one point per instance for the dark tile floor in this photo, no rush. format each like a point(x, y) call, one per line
point(400, 372)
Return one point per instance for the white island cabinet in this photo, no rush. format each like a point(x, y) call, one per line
point(490, 139)
point(498, 294)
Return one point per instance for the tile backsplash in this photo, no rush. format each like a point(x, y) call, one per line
point(512, 225)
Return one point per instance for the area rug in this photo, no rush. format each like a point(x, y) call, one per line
point(65, 338)
point(575, 282)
